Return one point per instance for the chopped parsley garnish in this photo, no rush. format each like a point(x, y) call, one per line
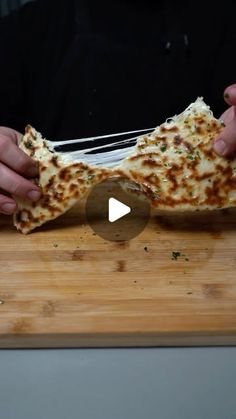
point(175, 255)
point(28, 144)
point(163, 148)
point(193, 156)
point(190, 157)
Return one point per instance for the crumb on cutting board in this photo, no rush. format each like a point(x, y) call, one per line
point(175, 255)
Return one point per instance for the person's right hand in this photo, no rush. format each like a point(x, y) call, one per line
point(16, 168)
point(225, 144)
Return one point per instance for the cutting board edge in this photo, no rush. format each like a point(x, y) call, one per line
point(101, 340)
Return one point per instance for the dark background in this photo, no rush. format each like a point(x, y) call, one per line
point(72, 72)
point(7, 6)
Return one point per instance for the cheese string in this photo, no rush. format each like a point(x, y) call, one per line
point(87, 139)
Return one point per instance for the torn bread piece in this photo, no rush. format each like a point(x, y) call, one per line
point(176, 166)
point(62, 184)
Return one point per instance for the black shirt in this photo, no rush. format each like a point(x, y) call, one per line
point(80, 68)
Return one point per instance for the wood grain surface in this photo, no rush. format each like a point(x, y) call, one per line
point(63, 286)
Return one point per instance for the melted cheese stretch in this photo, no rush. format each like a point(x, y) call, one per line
point(114, 158)
point(174, 167)
point(106, 159)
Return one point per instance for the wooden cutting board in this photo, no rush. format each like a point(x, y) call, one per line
point(63, 286)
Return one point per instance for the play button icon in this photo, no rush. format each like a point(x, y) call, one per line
point(116, 212)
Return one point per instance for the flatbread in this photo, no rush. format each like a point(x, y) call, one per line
point(62, 184)
point(175, 168)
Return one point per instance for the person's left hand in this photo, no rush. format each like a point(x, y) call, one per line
point(225, 144)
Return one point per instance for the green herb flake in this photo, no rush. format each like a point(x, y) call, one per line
point(175, 255)
point(163, 148)
point(28, 144)
point(190, 157)
point(198, 155)
point(55, 245)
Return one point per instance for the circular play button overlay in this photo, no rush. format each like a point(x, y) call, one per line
point(115, 211)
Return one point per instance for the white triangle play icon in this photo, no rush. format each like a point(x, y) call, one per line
point(117, 210)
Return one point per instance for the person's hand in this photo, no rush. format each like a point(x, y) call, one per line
point(15, 168)
point(225, 144)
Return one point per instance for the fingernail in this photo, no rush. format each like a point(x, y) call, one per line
point(34, 195)
point(220, 147)
point(231, 91)
point(8, 208)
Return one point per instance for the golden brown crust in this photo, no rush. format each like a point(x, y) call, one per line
point(61, 185)
point(175, 168)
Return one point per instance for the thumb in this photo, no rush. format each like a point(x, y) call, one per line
point(225, 144)
point(230, 95)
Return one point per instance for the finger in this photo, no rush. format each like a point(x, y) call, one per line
point(230, 95)
point(17, 185)
point(228, 115)
point(14, 135)
point(7, 205)
point(15, 158)
point(225, 144)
